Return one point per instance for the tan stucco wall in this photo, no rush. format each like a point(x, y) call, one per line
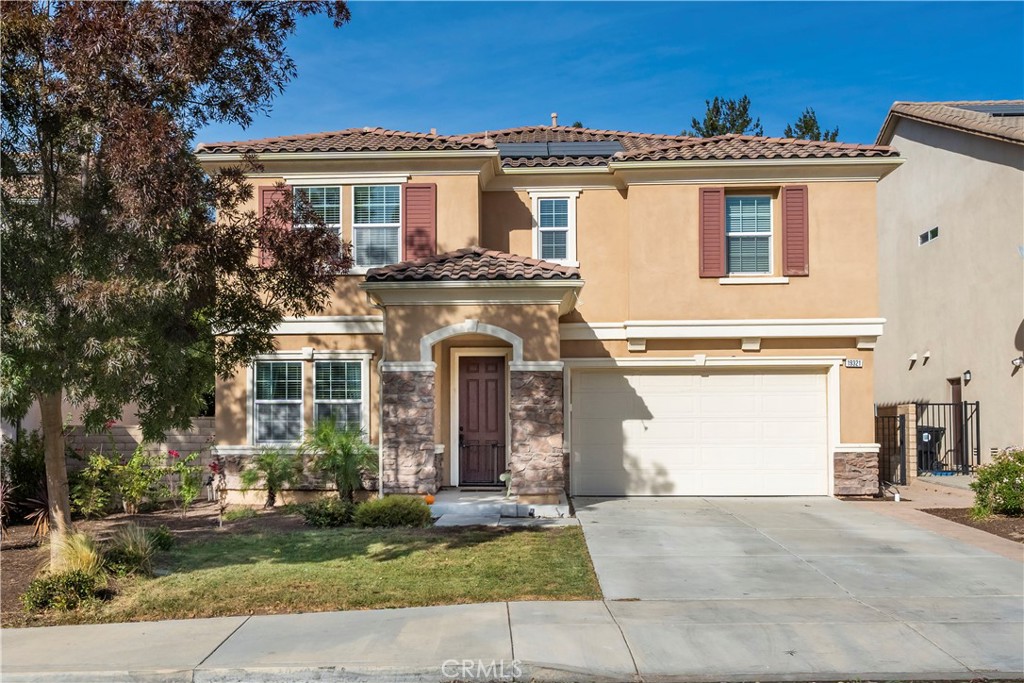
point(856, 410)
point(961, 296)
point(537, 324)
point(232, 400)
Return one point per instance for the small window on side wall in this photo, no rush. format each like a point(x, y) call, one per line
point(927, 236)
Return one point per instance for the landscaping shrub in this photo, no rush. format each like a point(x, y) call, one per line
point(130, 551)
point(61, 591)
point(161, 537)
point(184, 480)
point(23, 465)
point(136, 479)
point(327, 512)
point(999, 486)
point(341, 455)
point(275, 468)
point(92, 486)
point(238, 514)
point(393, 511)
point(79, 551)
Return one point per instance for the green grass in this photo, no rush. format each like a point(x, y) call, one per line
point(238, 514)
point(345, 569)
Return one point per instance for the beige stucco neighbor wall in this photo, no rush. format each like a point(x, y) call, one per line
point(959, 298)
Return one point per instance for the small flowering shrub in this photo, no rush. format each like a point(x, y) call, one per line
point(60, 591)
point(328, 512)
point(184, 480)
point(393, 511)
point(92, 487)
point(999, 486)
point(137, 478)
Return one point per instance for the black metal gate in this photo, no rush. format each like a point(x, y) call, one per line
point(948, 437)
point(891, 435)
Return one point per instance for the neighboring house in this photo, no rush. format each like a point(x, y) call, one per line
point(951, 264)
point(601, 312)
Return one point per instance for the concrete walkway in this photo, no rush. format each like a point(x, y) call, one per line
point(805, 589)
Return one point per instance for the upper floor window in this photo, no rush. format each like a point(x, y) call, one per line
point(325, 202)
point(278, 401)
point(927, 236)
point(748, 235)
point(554, 219)
point(376, 225)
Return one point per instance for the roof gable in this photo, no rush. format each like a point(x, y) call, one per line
point(962, 115)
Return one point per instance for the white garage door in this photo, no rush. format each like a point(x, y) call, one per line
point(722, 434)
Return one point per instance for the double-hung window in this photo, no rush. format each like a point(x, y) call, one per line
point(338, 393)
point(278, 401)
point(748, 235)
point(376, 225)
point(325, 202)
point(554, 216)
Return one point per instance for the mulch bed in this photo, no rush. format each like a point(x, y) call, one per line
point(1000, 525)
point(22, 556)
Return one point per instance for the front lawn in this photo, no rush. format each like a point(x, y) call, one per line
point(276, 572)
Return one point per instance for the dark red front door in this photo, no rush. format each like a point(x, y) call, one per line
point(481, 419)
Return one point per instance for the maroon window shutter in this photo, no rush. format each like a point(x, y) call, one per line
point(712, 232)
point(268, 196)
point(795, 245)
point(419, 219)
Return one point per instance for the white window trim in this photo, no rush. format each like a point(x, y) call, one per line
point(364, 387)
point(570, 242)
point(360, 269)
point(341, 210)
point(770, 235)
point(301, 401)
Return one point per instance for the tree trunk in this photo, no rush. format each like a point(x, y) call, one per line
point(56, 470)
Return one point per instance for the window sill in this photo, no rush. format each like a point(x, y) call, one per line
point(753, 280)
point(560, 262)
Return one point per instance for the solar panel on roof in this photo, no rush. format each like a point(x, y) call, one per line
point(584, 149)
point(521, 150)
point(1000, 109)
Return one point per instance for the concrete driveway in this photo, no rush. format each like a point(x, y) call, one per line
point(798, 586)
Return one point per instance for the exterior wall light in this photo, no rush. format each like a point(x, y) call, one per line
point(967, 376)
point(1018, 362)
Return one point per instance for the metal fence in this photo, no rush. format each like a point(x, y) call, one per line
point(948, 437)
point(891, 435)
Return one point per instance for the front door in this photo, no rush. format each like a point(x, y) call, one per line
point(481, 419)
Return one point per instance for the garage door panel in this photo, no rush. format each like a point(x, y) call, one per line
point(677, 433)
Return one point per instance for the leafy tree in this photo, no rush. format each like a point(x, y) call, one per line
point(116, 278)
point(577, 124)
point(341, 455)
point(725, 116)
point(807, 128)
point(275, 468)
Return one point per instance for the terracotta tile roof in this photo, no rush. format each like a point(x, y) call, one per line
point(472, 263)
point(751, 147)
point(958, 116)
point(350, 140)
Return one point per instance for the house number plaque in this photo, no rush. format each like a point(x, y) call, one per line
point(854, 363)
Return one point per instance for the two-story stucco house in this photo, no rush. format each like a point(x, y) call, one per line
point(595, 312)
point(951, 260)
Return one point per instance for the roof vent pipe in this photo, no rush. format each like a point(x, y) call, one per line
point(554, 118)
point(433, 131)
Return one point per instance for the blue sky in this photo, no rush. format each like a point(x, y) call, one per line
point(466, 67)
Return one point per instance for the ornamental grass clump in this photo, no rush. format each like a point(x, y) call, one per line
point(999, 486)
point(393, 511)
point(130, 551)
point(78, 552)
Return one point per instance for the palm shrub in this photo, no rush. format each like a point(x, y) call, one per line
point(340, 454)
point(275, 468)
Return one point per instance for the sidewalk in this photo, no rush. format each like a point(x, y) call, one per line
point(597, 641)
